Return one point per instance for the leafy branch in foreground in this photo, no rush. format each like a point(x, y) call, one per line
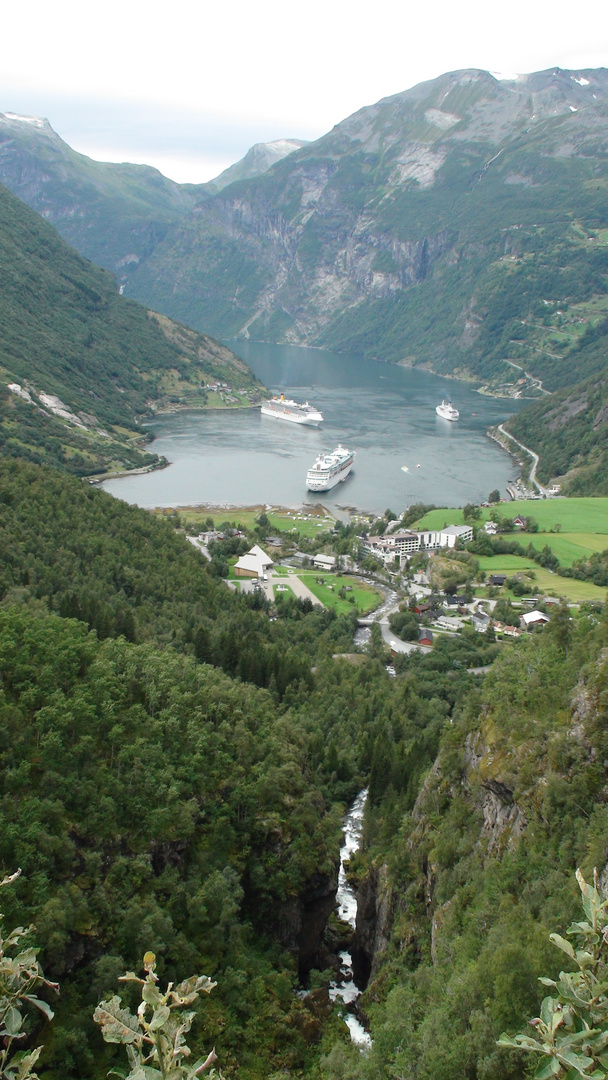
point(20, 978)
point(572, 1029)
point(156, 1047)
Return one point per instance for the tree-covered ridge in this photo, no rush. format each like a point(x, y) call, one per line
point(480, 870)
point(151, 799)
point(151, 802)
point(66, 333)
point(569, 432)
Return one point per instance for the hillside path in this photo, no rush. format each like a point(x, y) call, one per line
point(542, 490)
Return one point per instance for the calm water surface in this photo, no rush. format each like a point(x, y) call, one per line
point(384, 412)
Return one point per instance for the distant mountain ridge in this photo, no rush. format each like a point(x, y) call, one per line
point(258, 159)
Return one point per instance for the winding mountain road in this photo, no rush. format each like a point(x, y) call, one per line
point(542, 490)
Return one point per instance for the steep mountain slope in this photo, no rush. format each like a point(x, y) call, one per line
point(258, 159)
point(432, 227)
point(462, 884)
point(425, 228)
point(569, 432)
point(112, 214)
point(81, 365)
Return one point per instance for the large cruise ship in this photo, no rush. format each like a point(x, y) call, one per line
point(283, 408)
point(329, 469)
point(447, 410)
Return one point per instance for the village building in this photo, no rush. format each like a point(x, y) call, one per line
point(497, 579)
point(254, 564)
point(445, 538)
point(449, 622)
point(532, 619)
point(324, 562)
point(491, 528)
point(425, 637)
point(400, 545)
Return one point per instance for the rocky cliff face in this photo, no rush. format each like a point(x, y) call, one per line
point(302, 919)
point(375, 911)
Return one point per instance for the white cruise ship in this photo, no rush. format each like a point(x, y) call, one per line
point(283, 408)
point(447, 410)
point(329, 469)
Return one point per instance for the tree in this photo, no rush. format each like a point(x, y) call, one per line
point(156, 1047)
point(572, 1029)
point(471, 512)
point(20, 978)
point(494, 496)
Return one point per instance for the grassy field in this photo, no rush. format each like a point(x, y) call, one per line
point(580, 516)
point(505, 564)
point(544, 582)
point(569, 547)
point(365, 597)
point(308, 522)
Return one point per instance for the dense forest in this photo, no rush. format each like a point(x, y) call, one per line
point(158, 801)
point(462, 886)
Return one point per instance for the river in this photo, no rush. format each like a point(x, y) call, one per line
point(383, 411)
point(344, 988)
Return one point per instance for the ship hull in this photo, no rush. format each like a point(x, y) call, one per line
point(328, 482)
point(292, 418)
point(446, 415)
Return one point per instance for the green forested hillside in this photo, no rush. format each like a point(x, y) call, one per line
point(463, 887)
point(66, 334)
point(156, 802)
point(569, 431)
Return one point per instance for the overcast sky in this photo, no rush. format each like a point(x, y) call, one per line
point(188, 87)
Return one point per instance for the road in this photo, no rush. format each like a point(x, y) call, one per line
point(539, 487)
point(198, 544)
point(381, 616)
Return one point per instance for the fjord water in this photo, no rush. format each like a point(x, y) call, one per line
point(385, 412)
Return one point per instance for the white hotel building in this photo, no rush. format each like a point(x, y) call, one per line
point(400, 545)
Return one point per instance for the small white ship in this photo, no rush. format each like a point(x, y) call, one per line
point(447, 411)
point(330, 469)
point(283, 408)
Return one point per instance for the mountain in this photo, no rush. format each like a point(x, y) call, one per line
point(461, 225)
point(80, 366)
point(453, 225)
point(112, 214)
point(258, 159)
point(428, 228)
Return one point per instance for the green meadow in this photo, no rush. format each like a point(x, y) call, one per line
point(306, 522)
point(365, 598)
point(576, 516)
point(543, 582)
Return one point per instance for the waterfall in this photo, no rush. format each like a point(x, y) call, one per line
point(344, 988)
